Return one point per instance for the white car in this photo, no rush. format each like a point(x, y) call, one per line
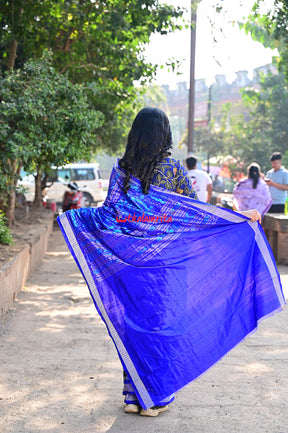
point(87, 177)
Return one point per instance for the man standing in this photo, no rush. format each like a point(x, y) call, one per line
point(277, 180)
point(201, 181)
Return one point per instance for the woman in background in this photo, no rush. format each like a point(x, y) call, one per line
point(252, 192)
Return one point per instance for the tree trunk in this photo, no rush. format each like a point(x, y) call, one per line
point(38, 190)
point(10, 213)
point(10, 209)
point(12, 55)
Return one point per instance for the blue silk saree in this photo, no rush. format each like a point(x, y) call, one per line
point(177, 282)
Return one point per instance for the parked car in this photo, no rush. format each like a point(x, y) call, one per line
point(86, 175)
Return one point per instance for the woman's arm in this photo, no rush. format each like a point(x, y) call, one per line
point(253, 214)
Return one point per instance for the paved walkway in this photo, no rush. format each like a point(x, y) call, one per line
point(60, 372)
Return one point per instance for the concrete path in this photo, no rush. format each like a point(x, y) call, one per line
point(60, 372)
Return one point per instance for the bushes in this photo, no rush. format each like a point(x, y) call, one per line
point(5, 233)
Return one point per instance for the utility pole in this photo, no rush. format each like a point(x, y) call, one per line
point(192, 76)
point(209, 120)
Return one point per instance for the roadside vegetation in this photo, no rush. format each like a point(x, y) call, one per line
point(5, 233)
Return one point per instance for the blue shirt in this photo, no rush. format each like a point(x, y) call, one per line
point(279, 176)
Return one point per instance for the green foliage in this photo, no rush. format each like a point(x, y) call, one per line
point(271, 29)
point(5, 176)
point(5, 233)
point(97, 41)
point(45, 119)
point(259, 28)
point(267, 131)
point(209, 140)
point(255, 139)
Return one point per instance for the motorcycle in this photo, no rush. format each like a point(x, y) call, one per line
point(72, 199)
point(225, 200)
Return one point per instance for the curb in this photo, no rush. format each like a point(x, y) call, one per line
point(14, 274)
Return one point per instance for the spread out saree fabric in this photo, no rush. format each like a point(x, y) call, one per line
point(246, 197)
point(177, 282)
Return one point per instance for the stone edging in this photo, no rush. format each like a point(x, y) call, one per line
point(14, 274)
point(276, 230)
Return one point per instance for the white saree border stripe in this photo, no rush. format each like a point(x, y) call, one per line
point(233, 217)
point(219, 212)
point(259, 239)
point(117, 340)
point(269, 262)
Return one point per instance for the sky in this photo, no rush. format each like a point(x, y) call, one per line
point(234, 50)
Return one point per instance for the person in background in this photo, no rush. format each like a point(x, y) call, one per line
point(252, 192)
point(201, 181)
point(277, 180)
point(218, 184)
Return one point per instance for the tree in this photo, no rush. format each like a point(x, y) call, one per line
point(93, 41)
point(270, 28)
point(45, 120)
point(267, 131)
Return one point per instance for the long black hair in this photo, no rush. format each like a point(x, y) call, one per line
point(254, 173)
point(149, 141)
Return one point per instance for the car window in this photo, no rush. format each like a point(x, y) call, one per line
point(64, 175)
point(83, 174)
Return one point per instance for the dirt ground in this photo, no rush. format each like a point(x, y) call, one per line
point(60, 372)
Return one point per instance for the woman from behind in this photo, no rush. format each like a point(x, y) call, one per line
point(252, 192)
point(163, 272)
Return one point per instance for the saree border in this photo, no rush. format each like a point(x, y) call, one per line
point(225, 214)
point(73, 244)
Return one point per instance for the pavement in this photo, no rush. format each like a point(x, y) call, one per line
point(60, 372)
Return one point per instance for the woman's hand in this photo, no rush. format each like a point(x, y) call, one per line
point(253, 214)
